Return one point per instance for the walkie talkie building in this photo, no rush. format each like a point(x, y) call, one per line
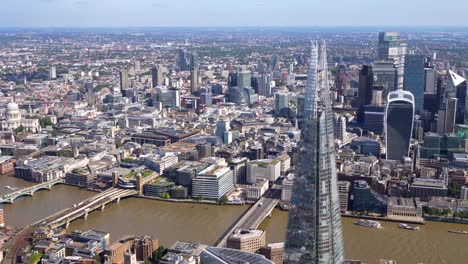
point(314, 227)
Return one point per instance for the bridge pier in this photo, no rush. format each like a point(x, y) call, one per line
point(117, 200)
point(85, 216)
point(103, 206)
point(11, 200)
point(67, 224)
point(31, 193)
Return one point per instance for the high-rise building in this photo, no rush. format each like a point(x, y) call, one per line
point(156, 73)
point(385, 75)
point(194, 73)
point(182, 61)
point(53, 72)
point(399, 115)
point(374, 112)
point(341, 79)
point(264, 85)
point(244, 77)
point(124, 81)
point(430, 78)
point(392, 48)
point(282, 104)
point(2, 218)
point(446, 116)
point(314, 227)
point(366, 83)
point(414, 79)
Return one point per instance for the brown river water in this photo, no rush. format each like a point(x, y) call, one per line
point(205, 223)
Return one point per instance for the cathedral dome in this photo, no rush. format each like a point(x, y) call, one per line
point(12, 107)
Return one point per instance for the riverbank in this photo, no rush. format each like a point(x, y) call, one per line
point(383, 218)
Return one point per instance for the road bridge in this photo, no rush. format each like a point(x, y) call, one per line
point(29, 191)
point(253, 217)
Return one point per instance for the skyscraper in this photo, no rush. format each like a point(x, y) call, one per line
point(314, 227)
point(414, 79)
point(53, 72)
point(385, 75)
point(124, 82)
point(399, 115)
point(194, 73)
point(340, 79)
point(182, 60)
point(366, 82)
point(156, 73)
point(244, 77)
point(392, 48)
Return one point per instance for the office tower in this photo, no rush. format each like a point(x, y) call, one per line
point(2, 218)
point(274, 62)
point(175, 97)
point(232, 79)
point(430, 77)
point(314, 227)
point(136, 65)
point(340, 128)
point(182, 61)
point(124, 81)
point(399, 115)
point(194, 73)
point(462, 107)
point(156, 73)
point(458, 83)
point(52, 72)
point(374, 113)
point(206, 98)
point(366, 82)
point(282, 104)
point(385, 75)
point(392, 48)
point(243, 77)
point(446, 116)
point(264, 85)
point(414, 79)
point(341, 79)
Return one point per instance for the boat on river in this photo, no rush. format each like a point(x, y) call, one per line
point(368, 223)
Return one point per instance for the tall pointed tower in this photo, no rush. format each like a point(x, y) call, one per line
point(314, 228)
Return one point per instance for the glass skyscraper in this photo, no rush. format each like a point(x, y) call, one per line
point(414, 79)
point(314, 227)
point(399, 116)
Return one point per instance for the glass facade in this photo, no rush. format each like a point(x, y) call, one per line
point(415, 79)
point(399, 124)
point(314, 227)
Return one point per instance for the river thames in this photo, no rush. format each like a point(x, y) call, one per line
point(205, 223)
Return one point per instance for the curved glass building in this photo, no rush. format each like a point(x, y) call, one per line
point(399, 115)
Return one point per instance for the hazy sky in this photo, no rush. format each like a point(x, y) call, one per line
point(117, 13)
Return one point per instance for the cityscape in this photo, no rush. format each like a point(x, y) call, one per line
point(233, 144)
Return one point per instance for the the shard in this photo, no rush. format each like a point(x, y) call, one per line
point(314, 227)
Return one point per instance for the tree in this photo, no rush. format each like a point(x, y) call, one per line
point(46, 121)
point(454, 189)
point(223, 200)
point(446, 211)
point(200, 197)
point(19, 129)
point(166, 195)
point(159, 253)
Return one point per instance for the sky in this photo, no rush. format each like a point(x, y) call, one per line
point(188, 13)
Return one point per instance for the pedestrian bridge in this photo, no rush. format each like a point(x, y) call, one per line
point(29, 191)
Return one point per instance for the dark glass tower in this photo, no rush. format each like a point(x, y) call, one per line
point(314, 227)
point(414, 79)
point(399, 116)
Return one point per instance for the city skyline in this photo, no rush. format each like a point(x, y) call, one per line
point(155, 13)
